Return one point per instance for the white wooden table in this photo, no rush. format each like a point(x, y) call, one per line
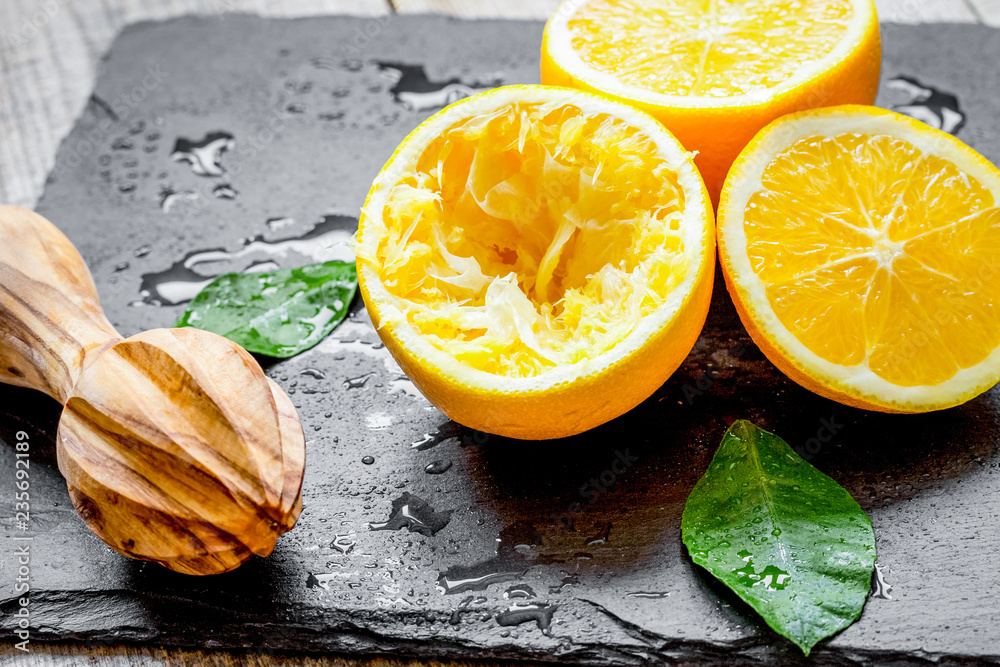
point(49, 50)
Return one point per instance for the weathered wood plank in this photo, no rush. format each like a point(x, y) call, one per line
point(523, 9)
point(988, 11)
point(925, 11)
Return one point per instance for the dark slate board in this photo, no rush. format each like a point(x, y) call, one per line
point(314, 107)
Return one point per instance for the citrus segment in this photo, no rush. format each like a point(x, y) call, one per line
point(860, 247)
point(714, 48)
point(716, 71)
point(529, 242)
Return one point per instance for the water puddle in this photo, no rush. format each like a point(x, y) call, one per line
point(539, 612)
point(329, 239)
point(204, 156)
point(519, 591)
point(414, 514)
point(880, 587)
point(344, 542)
point(937, 108)
point(516, 552)
point(323, 580)
point(413, 89)
point(771, 577)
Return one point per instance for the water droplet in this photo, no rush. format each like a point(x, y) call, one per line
point(344, 542)
point(438, 467)
point(313, 373)
point(204, 156)
point(649, 594)
point(368, 460)
point(360, 381)
point(881, 587)
point(225, 191)
point(168, 197)
point(523, 591)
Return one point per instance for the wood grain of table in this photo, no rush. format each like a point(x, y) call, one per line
point(49, 51)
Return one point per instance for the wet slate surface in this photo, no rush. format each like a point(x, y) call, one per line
point(547, 551)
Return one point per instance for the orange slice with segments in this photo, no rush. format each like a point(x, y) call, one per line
point(862, 250)
point(716, 71)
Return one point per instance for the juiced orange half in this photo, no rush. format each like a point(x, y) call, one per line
point(537, 260)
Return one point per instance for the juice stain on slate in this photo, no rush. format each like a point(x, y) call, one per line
point(414, 514)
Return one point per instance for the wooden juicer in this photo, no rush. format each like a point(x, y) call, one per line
point(175, 446)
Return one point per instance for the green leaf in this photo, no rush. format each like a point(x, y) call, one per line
point(279, 313)
point(786, 538)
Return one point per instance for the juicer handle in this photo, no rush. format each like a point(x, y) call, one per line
point(51, 322)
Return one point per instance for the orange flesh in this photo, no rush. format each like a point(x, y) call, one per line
point(532, 237)
point(707, 48)
point(876, 253)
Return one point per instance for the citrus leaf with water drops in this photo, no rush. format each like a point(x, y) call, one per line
point(277, 313)
point(786, 538)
